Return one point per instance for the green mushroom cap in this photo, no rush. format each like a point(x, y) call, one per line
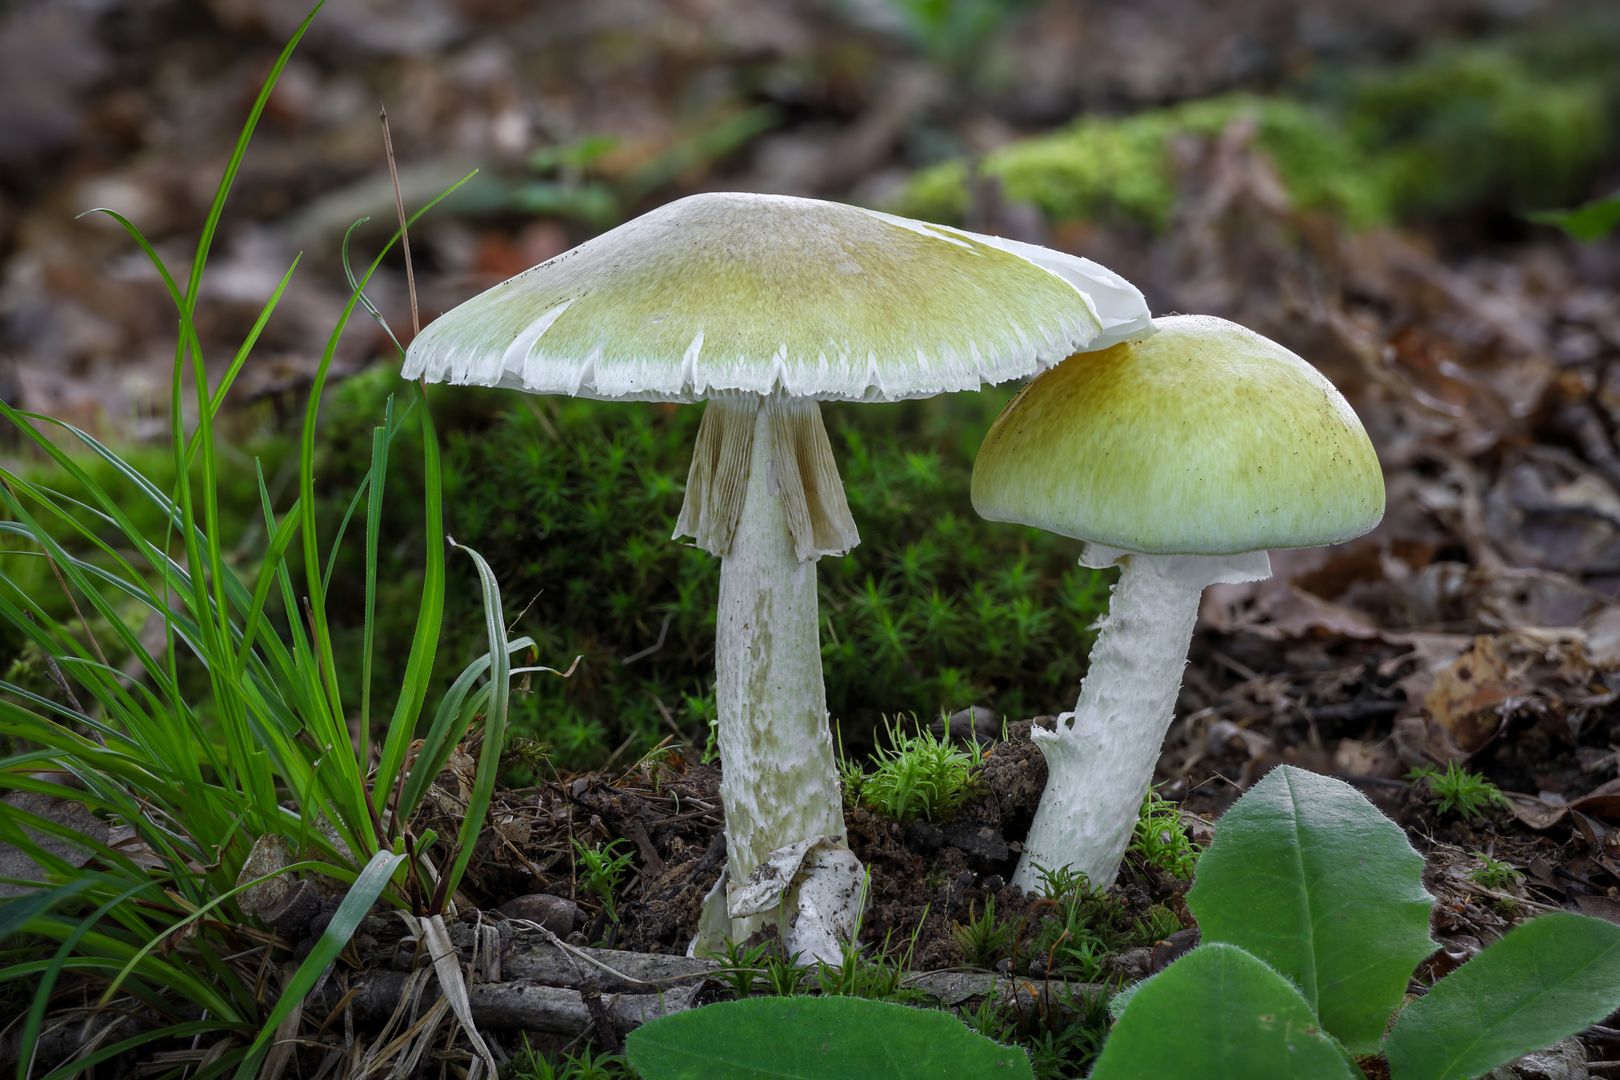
point(1202, 439)
point(730, 292)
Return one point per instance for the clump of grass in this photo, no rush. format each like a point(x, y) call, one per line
point(784, 975)
point(741, 965)
point(917, 775)
point(1456, 790)
point(878, 973)
point(1159, 839)
point(1062, 1041)
point(1159, 923)
point(1081, 930)
point(221, 743)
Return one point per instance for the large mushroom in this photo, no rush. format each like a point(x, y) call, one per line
point(765, 306)
point(1180, 458)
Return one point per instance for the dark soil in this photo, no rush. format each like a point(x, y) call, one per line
point(929, 876)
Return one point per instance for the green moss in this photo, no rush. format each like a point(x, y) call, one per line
point(917, 775)
point(1122, 169)
point(573, 502)
point(1459, 129)
point(1465, 127)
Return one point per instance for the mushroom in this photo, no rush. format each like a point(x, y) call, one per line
point(765, 306)
point(1180, 458)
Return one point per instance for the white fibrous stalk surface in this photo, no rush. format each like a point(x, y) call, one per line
point(1101, 757)
point(779, 781)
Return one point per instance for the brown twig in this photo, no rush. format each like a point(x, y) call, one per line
point(61, 680)
point(399, 208)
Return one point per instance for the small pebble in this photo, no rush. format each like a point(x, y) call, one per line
point(556, 913)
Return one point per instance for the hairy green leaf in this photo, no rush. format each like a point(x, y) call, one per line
point(1547, 979)
point(1308, 876)
point(805, 1038)
point(1220, 1014)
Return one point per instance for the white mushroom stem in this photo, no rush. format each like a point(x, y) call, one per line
point(769, 496)
point(1101, 757)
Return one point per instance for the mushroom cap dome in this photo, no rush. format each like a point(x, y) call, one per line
point(1204, 439)
point(730, 292)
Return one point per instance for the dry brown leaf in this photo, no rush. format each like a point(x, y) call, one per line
point(15, 864)
point(270, 854)
point(1467, 695)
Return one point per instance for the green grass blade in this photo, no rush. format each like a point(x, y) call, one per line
point(356, 903)
point(228, 179)
point(449, 722)
point(47, 982)
point(14, 913)
point(424, 644)
point(379, 475)
point(80, 1066)
point(429, 615)
point(179, 301)
point(489, 756)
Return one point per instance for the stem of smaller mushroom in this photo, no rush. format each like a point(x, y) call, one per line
point(1101, 757)
point(765, 493)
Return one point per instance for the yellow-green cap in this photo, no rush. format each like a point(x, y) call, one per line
point(757, 294)
point(1203, 439)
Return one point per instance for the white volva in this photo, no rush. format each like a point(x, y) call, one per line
point(763, 306)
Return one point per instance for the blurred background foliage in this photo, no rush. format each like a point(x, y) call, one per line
point(1465, 127)
point(1089, 125)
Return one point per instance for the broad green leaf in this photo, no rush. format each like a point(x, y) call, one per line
point(1545, 980)
point(805, 1038)
point(1308, 876)
point(1220, 1014)
point(1593, 221)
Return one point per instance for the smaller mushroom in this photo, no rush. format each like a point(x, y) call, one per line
point(1180, 458)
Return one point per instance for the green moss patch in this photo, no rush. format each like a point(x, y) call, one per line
point(1460, 129)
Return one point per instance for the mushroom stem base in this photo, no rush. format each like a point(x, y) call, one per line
point(1101, 757)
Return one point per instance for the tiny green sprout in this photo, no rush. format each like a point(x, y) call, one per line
point(1468, 794)
point(920, 775)
point(530, 1064)
point(661, 759)
point(1160, 841)
point(982, 939)
point(993, 1019)
point(601, 871)
point(741, 964)
point(879, 976)
point(531, 754)
point(784, 975)
point(1061, 883)
point(1069, 1039)
point(1494, 873)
